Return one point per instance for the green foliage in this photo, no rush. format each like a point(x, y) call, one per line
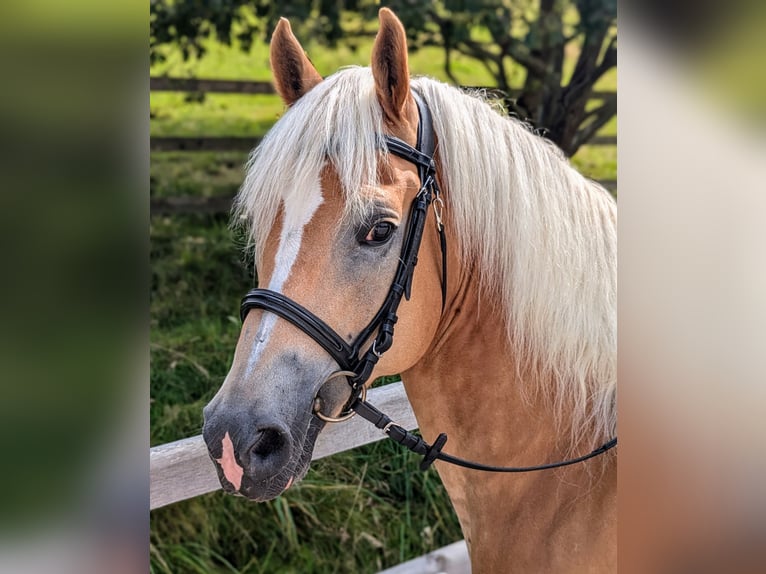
point(197, 277)
point(186, 23)
point(499, 35)
point(356, 512)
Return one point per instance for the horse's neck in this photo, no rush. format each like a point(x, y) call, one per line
point(468, 387)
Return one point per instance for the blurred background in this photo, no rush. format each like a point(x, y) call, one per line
point(87, 300)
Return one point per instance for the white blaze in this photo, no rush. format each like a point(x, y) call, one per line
point(296, 214)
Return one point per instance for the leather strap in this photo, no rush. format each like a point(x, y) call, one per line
point(431, 453)
point(443, 243)
point(299, 316)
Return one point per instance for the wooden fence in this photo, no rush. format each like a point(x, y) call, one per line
point(183, 469)
point(230, 143)
point(168, 84)
point(171, 205)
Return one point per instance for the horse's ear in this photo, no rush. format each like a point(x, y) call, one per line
point(389, 65)
point(294, 74)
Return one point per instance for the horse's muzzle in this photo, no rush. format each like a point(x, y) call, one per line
point(247, 450)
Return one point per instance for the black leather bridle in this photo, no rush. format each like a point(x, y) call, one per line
point(357, 365)
point(382, 324)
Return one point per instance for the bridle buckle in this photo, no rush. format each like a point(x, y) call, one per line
point(438, 206)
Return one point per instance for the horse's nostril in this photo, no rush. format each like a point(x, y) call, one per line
point(270, 440)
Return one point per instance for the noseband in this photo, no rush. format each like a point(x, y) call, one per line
point(357, 365)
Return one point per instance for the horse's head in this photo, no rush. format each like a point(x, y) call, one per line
point(329, 213)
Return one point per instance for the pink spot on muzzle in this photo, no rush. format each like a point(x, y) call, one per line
point(231, 469)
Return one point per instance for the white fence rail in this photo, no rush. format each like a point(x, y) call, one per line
point(450, 559)
point(183, 469)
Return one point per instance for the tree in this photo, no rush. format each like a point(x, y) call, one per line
point(535, 34)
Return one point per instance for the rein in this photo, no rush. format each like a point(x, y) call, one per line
point(358, 367)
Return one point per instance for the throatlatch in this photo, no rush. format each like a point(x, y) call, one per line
point(358, 367)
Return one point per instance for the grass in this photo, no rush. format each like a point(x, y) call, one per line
point(359, 511)
point(204, 174)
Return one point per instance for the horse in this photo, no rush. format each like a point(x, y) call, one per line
point(512, 353)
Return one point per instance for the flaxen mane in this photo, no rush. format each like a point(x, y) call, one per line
point(544, 236)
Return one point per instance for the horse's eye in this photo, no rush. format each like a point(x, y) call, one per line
point(379, 233)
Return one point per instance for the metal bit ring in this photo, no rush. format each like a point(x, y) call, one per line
point(343, 416)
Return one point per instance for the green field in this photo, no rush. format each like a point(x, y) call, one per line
point(357, 512)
